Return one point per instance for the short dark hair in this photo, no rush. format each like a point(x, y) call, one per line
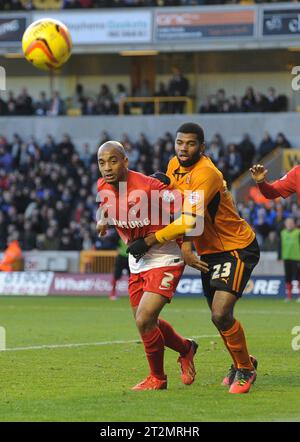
point(192, 128)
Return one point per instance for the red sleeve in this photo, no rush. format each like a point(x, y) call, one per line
point(268, 190)
point(287, 184)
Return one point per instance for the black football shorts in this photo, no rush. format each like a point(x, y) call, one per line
point(230, 271)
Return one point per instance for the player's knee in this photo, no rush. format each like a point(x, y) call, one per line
point(144, 323)
point(221, 319)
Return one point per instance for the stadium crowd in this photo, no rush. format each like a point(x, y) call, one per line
point(267, 219)
point(106, 102)
point(14, 5)
point(48, 188)
point(252, 101)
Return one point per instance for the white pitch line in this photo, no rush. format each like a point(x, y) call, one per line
point(242, 311)
point(89, 344)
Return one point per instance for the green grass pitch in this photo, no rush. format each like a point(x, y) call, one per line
point(92, 382)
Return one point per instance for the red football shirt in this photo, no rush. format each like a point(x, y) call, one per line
point(285, 186)
point(136, 211)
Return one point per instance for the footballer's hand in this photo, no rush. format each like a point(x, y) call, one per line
point(150, 240)
point(138, 249)
point(193, 261)
point(101, 228)
point(162, 177)
point(258, 173)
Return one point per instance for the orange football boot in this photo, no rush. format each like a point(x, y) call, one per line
point(188, 371)
point(151, 383)
point(242, 381)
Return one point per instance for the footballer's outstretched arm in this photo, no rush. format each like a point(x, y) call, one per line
point(258, 174)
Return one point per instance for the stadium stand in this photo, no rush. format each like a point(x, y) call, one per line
point(107, 102)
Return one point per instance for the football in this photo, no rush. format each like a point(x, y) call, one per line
point(47, 44)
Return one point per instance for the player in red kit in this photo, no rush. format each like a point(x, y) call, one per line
point(127, 202)
point(285, 186)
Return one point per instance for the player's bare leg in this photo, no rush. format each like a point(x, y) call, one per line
point(243, 368)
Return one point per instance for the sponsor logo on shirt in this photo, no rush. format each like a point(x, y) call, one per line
point(131, 224)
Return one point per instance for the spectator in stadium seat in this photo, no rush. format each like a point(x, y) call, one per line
point(266, 145)
point(261, 103)
point(56, 105)
point(234, 105)
point(221, 99)
point(248, 100)
point(282, 142)
point(16, 149)
point(178, 87)
point(282, 103)
point(119, 96)
point(105, 101)
point(234, 162)
point(208, 106)
point(215, 152)
point(262, 228)
point(217, 138)
point(272, 100)
point(247, 151)
point(79, 100)
point(90, 107)
point(143, 145)
point(6, 159)
point(65, 149)
point(65, 240)
point(85, 155)
point(132, 154)
point(24, 104)
point(28, 237)
point(42, 105)
point(11, 104)
point(48, 148)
